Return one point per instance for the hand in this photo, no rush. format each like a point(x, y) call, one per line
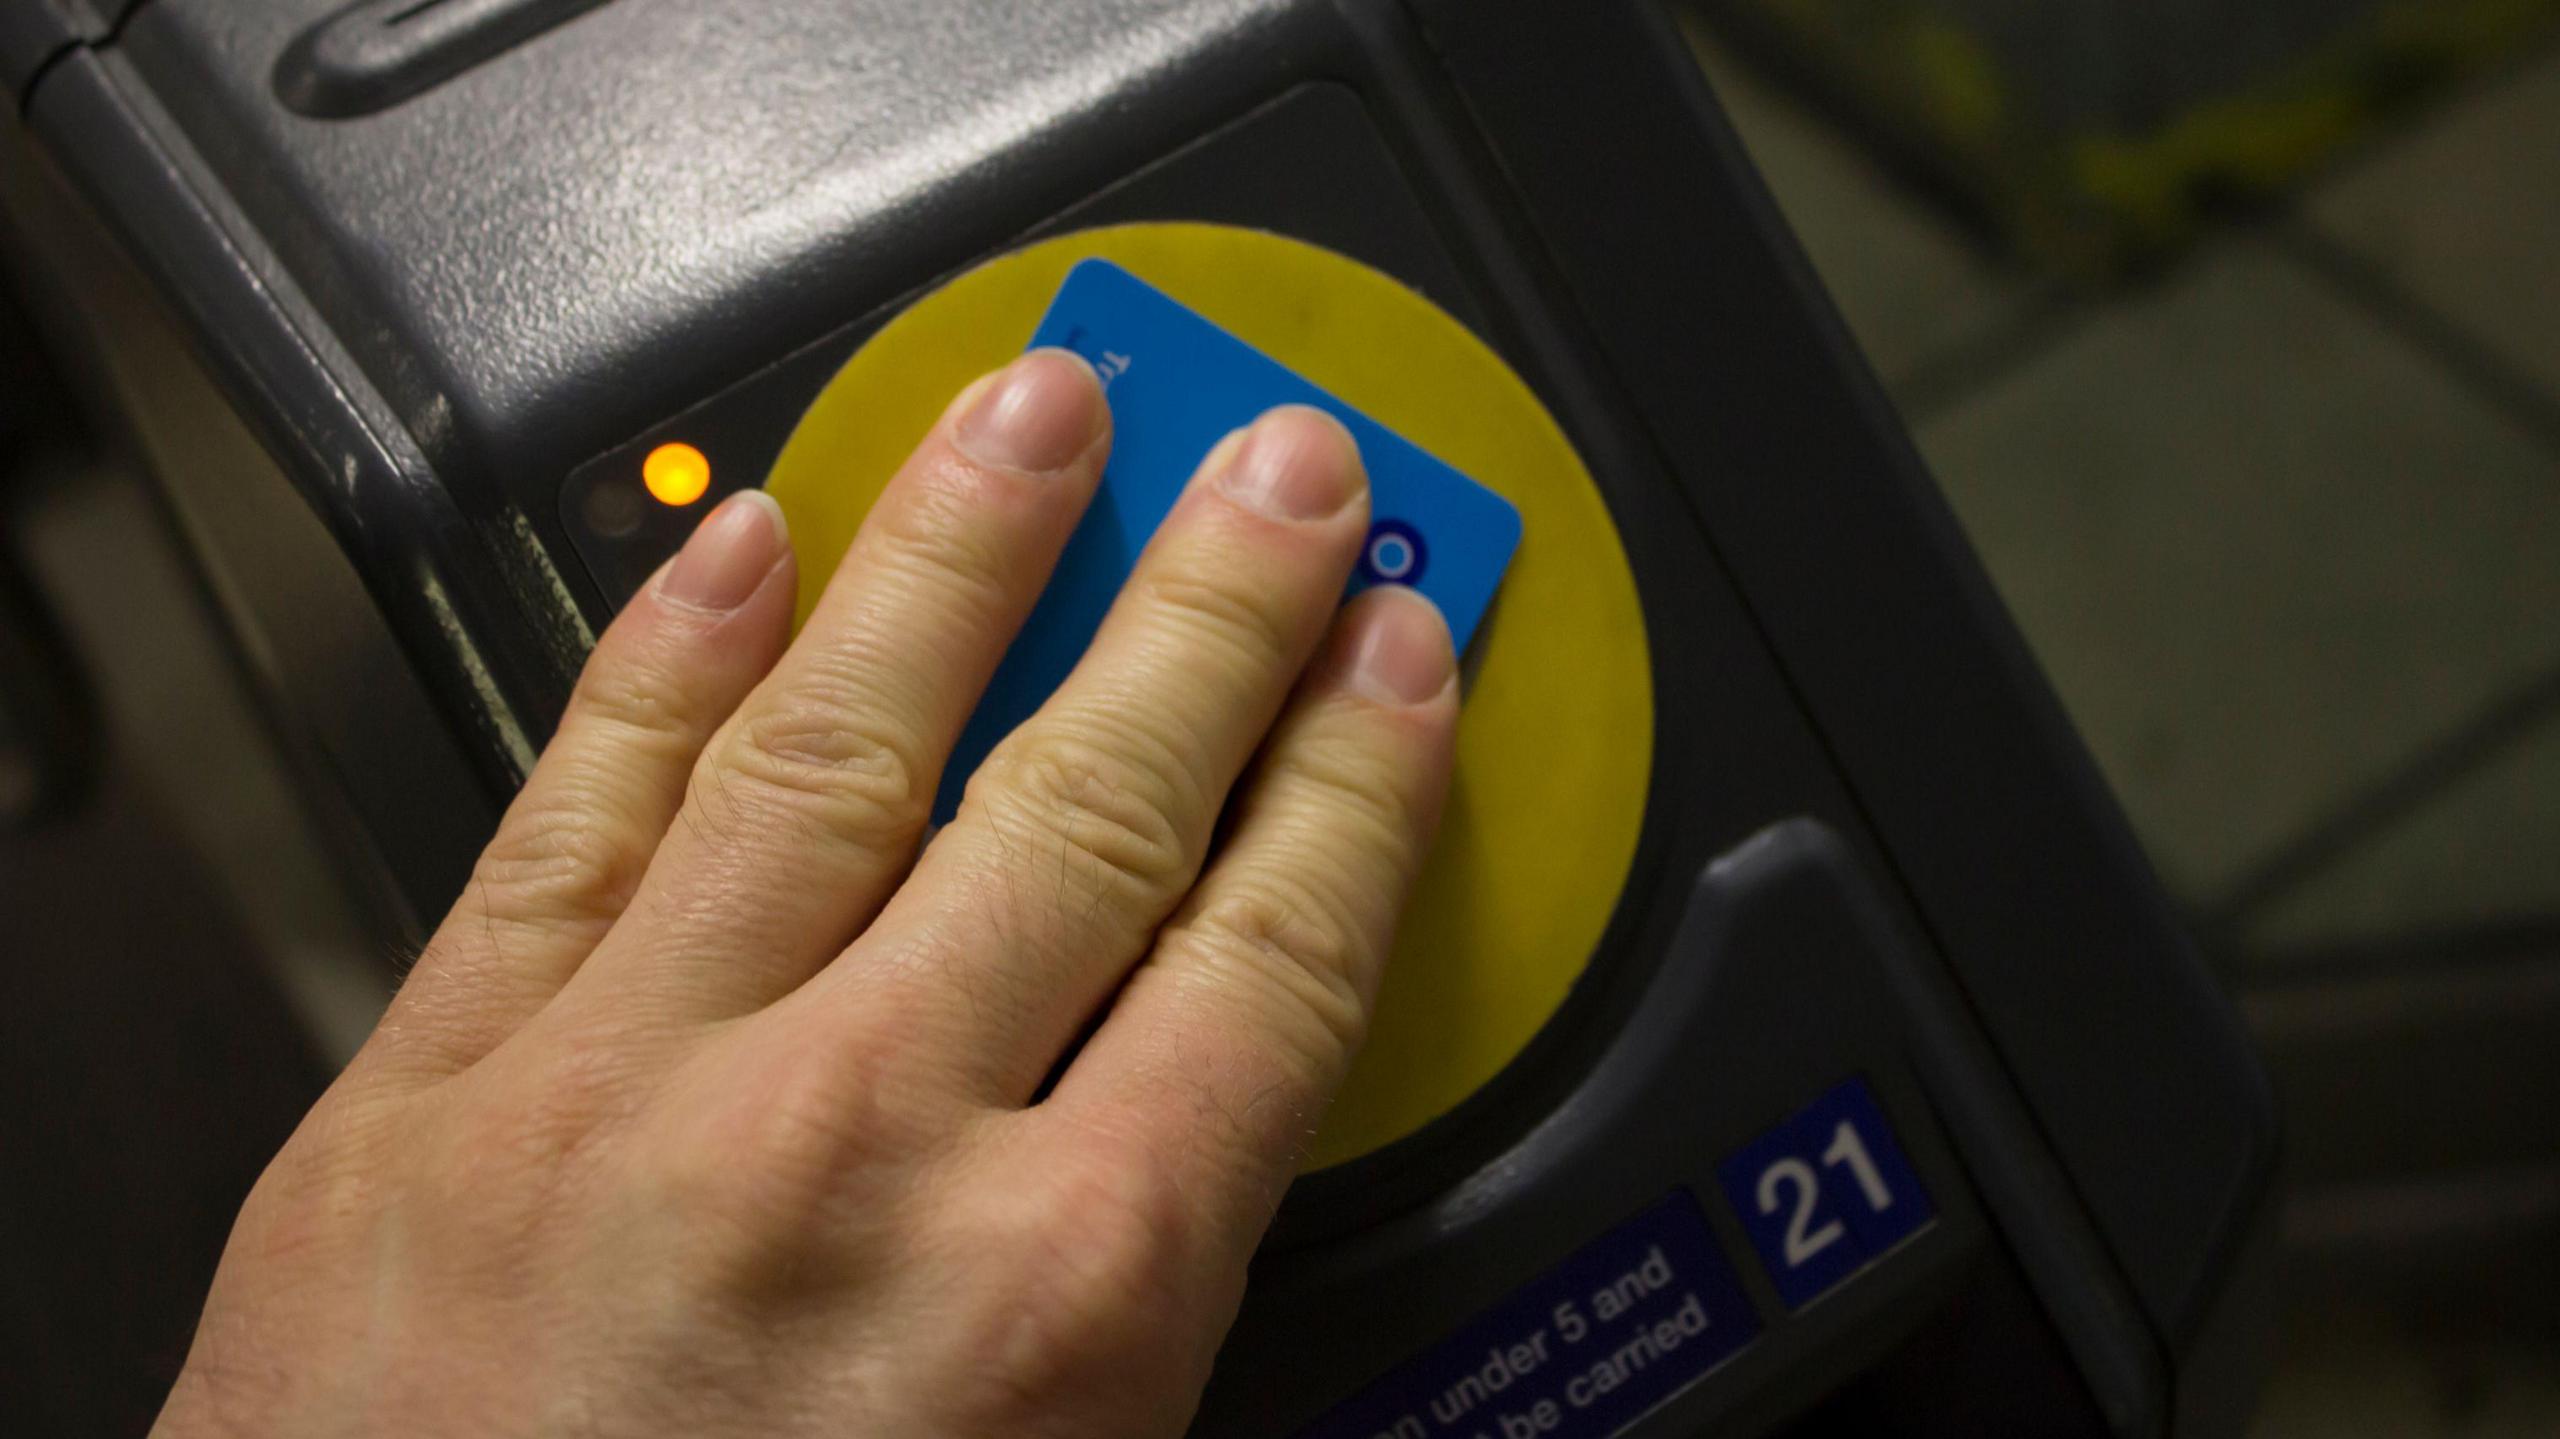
point(715, 1108)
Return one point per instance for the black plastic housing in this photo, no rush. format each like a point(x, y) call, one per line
point(445, 277)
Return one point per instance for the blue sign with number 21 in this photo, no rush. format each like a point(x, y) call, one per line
point(1825, 1194)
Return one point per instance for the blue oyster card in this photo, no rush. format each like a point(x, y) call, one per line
point(1178, 384)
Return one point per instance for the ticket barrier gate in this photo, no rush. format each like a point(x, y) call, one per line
point(1788, 1037)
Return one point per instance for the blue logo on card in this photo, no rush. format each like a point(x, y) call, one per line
point(1825, 1194)
point(1395, 555)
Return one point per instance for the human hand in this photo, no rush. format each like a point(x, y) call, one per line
point(711, 1107)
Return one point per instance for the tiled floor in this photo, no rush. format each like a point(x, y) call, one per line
point(2465, 214)
point(2483, 845)
point(2284, 526)
point(2281, 525)
point(2265, 549)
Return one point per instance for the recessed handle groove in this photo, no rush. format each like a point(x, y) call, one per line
point(378, 53)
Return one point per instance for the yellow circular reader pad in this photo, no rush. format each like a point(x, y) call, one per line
point(1556, 740)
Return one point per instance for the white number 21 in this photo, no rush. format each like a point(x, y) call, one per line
point(1847, 1150)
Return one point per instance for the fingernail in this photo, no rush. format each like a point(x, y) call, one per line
point(729, 555)
point(1039, 414)
point(1295, 463)
point(1395, 647)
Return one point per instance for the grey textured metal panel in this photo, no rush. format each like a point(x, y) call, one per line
point(499, 249)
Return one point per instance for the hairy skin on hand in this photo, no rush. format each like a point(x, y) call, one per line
point(710, 1109)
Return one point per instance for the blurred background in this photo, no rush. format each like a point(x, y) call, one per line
point(2235, 343)
point(2232, 333)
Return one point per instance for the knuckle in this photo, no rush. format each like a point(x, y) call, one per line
point(554, 1105)
point(1254, 627)
point(778, 1159)
point(857, 778)
point(1119, 1217)
point(558, 861)
point(1297, 963)
point(759, 1171)
point(1129, 823)
point(1356, 792)
point(1097, 1251)
point(811, 1124)
point(637, 696)
point(940, 534)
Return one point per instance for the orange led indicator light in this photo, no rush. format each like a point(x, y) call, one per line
point(676, 473)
